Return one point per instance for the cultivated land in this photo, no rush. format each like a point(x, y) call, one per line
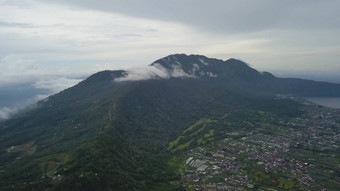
point(301, 153)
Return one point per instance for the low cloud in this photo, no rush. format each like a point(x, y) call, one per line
point(8, 111)
point(52, 85)
point(155, 71)
point(41, 80)
point(55, 84)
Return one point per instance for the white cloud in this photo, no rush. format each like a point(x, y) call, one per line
point(6, 112)
point(153, 72)
point(55, 84)
point(71, 33)
point(15, 70)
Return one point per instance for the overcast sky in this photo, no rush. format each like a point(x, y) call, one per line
point(49, 43)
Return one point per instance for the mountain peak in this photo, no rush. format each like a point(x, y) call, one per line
point(200, 66)
point(192, 65)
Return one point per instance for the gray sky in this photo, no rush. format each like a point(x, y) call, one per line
point(50, 43)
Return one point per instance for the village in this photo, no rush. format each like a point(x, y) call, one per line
point(294, 157)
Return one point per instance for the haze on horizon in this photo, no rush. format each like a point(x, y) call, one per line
point(53, 45)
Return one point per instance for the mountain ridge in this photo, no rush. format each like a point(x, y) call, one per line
point(233, 73)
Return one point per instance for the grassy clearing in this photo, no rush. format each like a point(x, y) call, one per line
point(210, 134)
point(193, 126)
point(175, 142)
point(199, 130)
point(183, 146)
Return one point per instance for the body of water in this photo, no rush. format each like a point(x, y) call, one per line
point(332, 102)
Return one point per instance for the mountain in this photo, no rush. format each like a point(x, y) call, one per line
point(112, 131)
point(239, 76)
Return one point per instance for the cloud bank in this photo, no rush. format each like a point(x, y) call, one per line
point(232, 16)
point(33, 79)
point(55, 84)
point(155, 71)
point(8, 111)
point(49, 85)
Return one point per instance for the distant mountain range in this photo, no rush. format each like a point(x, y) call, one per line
point(112, 131)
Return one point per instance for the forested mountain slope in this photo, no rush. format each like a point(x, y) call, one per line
point(110, 132)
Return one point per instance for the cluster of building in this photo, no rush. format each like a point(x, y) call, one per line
point(287, 158)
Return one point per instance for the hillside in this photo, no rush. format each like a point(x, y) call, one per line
point(110, 132)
